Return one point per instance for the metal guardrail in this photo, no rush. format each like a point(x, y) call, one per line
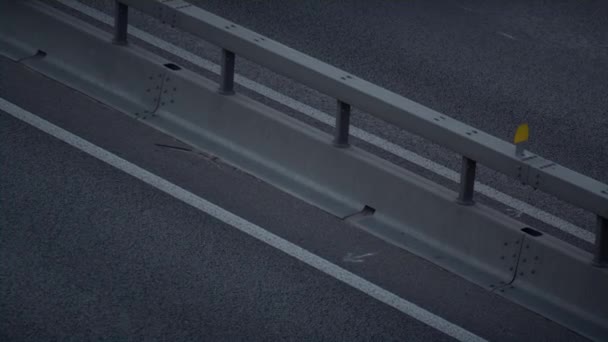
point(475, 146)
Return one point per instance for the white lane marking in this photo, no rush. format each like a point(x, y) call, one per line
point(350, 257)
point(327, 119)
point(243, 225)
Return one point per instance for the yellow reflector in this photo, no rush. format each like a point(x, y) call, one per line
point(521, 134)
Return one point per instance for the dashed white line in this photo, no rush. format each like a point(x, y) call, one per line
point(245, 226)
point(327, 119)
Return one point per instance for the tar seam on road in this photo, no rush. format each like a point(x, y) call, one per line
point(244, 226)
point(327, 119)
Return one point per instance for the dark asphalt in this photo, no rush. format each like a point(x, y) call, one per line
point(89, 252)
point(491, 64)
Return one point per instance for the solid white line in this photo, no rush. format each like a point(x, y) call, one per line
point(243, 225)
point(316, 114)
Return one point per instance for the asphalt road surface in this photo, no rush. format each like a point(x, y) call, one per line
point(89, 252)
point(92, 253)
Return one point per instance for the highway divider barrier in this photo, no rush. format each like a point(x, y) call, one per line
point(481, 244)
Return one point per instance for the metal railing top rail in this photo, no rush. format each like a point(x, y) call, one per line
point(472, 144)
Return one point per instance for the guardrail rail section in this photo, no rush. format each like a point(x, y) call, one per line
point(483, 245)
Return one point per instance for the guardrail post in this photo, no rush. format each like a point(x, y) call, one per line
point(227, 85)
point(121, 22)
point(342, 125)
point(467, 181)
point(600, 258)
